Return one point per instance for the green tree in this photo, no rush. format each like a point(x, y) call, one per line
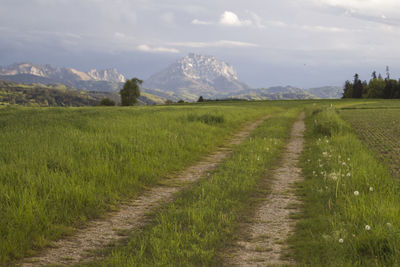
point(375, 88)
point(130, 92)
point(201, 99)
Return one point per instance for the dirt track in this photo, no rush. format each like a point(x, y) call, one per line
point(132, 215)
point(263, 240)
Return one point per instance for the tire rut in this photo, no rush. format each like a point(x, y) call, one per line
point(99, 233)
point(263, 240)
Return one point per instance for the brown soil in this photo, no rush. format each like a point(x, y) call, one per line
point(262, 242)
point(131, 216)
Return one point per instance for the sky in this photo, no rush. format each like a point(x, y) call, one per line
point(304, 43)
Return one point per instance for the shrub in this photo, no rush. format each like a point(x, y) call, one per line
point(107, 102)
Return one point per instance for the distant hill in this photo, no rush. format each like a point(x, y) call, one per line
point(43, 95)
point(196, 75)
point(273, 93)
point(326, 92)
point(61, 95)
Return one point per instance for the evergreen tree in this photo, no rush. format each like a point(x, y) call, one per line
point(200, 99)
point(347, 90)
point(357, 87)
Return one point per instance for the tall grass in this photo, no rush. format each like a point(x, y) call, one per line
point(351, 215)
point(190, 231)
point(60, 167)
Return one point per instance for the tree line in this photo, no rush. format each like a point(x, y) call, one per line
point(377, 87)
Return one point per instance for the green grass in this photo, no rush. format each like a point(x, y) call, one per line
point(350, 215)
point(202, 220)
point(60, 167)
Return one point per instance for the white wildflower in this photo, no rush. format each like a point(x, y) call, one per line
point(348, 174)
point(356, 193)
point(371, 189)
point(341, 240)
point(367, 227)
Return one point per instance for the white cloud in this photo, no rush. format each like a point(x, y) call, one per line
point(229, 18)
point(201, 22)
point(149, 49)
point(319, 28)
point(220, 43)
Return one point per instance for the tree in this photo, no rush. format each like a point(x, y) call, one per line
point(375, 88)
point(107, 102)
point(200, 99)
point(130, 92)
point(348, 89)
point(357, 87)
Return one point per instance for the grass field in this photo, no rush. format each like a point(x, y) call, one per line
point(61, 167)
point(190, 231)
point(380, 129)
point(350, 214)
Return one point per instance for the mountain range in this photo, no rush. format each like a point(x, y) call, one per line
point(187, 79)
point(93, 80)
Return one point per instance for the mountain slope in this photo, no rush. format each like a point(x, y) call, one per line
point(196, 75)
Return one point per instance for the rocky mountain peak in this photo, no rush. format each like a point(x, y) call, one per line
point(106, 75)
point(195, 75)
point(205, 68)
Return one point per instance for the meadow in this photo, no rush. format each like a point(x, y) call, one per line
point(60, 167)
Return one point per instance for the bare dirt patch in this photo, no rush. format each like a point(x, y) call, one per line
point(133, 215)
point(263, 240)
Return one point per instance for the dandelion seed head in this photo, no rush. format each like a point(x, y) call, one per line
point(356, 193)
point(341, 240)
point(367, 227)
point(348, 174)
point(371, 189)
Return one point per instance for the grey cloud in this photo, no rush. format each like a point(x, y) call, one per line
point(271, 44)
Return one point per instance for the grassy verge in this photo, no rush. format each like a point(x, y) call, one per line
point(202, 220)
point(60, 167)
point(351, 215)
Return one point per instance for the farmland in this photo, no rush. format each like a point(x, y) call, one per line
point(350, 212)
point(62, 168)
point(380, 129)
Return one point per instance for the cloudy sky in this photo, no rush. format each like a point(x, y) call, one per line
point(304, 43)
